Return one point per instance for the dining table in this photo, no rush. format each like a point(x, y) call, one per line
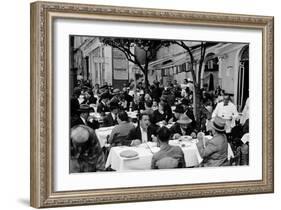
point(145, 153)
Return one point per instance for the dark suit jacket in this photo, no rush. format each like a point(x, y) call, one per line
point(76, 120)
point(189, 113)
point(109, 121)
point(102, 108)
point(136, 133)
point(176, 129)
point(74, 106)
point(157, 116)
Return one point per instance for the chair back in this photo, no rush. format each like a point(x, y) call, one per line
point(167, 163)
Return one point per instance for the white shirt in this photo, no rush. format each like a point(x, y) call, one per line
point(113, 115)
point(228, 112)
point(143, 135)
point(183, 132)
point(84, 121)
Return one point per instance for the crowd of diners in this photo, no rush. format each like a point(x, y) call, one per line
point(218, 117)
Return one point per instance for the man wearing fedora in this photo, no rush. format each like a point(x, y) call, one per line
point(83, 118)
point(115, 96)
point(182, 127)
point(215, 151)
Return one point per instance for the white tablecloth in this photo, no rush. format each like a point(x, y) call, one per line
point(102, 134)
point(190, 151)
point(143, 161)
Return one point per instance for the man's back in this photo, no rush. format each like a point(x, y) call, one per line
point(168, 151)
point(120, 133)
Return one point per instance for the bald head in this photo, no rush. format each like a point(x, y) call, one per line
point(79, 135)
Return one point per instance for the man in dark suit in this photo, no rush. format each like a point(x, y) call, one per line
point(144, 132)
point(83, 118)
point(74, 103)
point(111, 118)
point(102, 106)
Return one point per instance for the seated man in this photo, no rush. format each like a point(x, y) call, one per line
point(168, 156)
point(86, 152)
point(182, 128)
point(120, 132)
point(215, 151)
point(83, 118)
point(102, 106)
point(144, 132)
point(111, 118)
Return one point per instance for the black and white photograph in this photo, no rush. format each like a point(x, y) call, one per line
point(147, 104)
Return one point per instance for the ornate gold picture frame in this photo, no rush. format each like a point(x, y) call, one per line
point(43, 15)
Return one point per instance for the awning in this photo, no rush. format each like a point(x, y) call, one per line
point(168, 62)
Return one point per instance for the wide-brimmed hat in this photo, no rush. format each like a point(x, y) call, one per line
point(179, 109)
point(184, 120)
point(84, 108)
point(116, 91)
point(218, 124)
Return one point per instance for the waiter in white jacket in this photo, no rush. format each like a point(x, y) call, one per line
point(228, 111)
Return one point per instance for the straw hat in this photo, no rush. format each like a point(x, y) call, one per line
point(116, 91)
point(184, 120)
point(218, 124)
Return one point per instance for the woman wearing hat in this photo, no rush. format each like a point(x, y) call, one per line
point(182, 127)
point(214, 152)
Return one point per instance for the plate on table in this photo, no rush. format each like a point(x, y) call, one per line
point(129, 154)
point(185, 138)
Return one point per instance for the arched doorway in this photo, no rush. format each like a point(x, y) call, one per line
point(243, 78)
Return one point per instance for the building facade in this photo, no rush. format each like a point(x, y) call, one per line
point(99, 63)
point(225, 65)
